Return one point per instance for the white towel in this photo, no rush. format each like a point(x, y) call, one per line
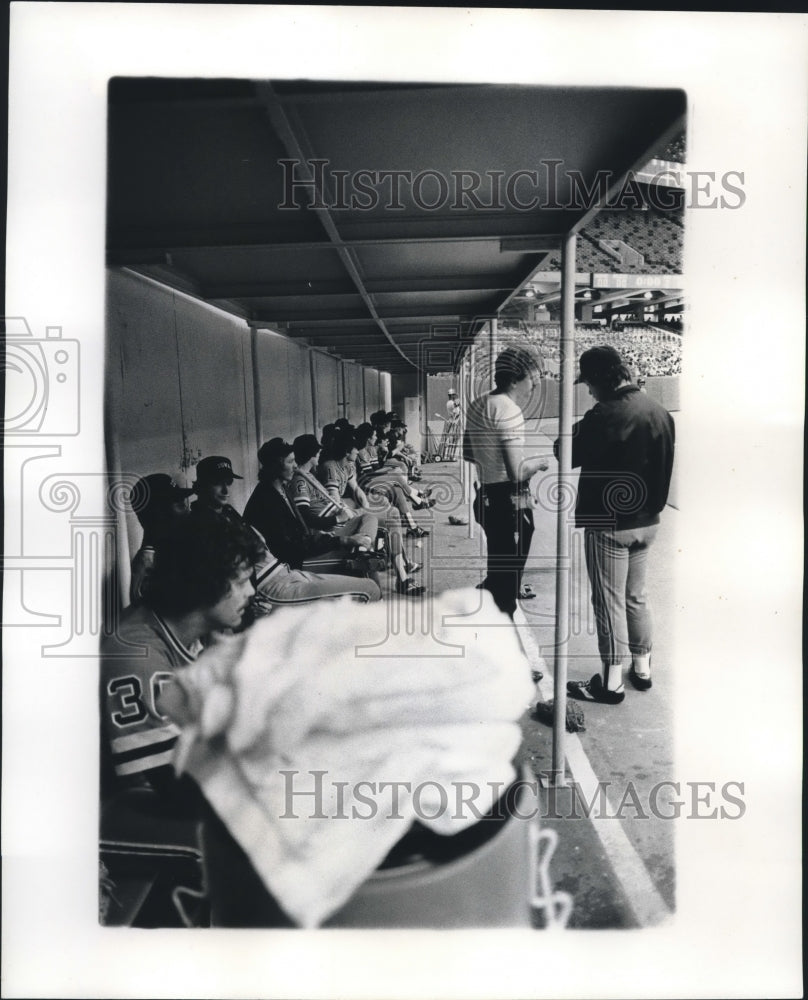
point(299, 694)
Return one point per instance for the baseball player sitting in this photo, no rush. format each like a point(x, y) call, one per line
point(282, 523)
point(276, 582)
point(214, 477)
point(200, 585)
point(158, 502)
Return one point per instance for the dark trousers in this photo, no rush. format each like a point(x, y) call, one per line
point(508, 532)
point(238, 897)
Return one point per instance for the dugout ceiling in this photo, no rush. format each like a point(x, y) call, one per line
point(360, 216)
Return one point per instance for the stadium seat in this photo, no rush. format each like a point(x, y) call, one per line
point(152, 865)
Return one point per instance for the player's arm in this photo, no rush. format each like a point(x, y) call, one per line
point(585, 437)
point(519, 468)
point(510, 434)
point(588, 439)
point(142, 566)
point(358, 493)
point(300, 495)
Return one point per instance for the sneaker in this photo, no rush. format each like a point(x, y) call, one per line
point(367, 565)
point(424, 504)
point(640, 683)
point(410, 588)
point(414, 568)
point(417, 532)
point(593, 690)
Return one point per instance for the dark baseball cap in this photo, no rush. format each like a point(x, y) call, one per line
point(598, 362)
point(156, 490)
point(214, 469)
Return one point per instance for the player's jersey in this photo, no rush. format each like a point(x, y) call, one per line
point(135, 664)
point(336, 477)
point(367, 465)
point(309, 495)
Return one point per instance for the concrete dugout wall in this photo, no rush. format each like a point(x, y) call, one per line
point(179, 387)
point(185, 380)
point(327, 388)
point(374, 390)
point(353, 389)
point(283, 387)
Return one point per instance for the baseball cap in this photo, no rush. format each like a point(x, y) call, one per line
point(597, 362)
point(155, 490)
point(452, 392)
point(214, 469)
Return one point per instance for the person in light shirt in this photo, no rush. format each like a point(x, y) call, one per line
point(494, 441)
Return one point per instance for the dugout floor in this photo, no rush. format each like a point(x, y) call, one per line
point(619, 866)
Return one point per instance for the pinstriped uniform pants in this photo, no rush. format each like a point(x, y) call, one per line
point(616, 562)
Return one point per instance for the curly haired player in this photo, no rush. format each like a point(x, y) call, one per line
point(201, 584)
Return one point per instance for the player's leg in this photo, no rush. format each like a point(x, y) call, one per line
point(607, 566)
point(290, 587)
point(502, 539)
point(361, 530)
point(638, 613)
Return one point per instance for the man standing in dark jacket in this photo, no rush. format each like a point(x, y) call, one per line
point(624, 447)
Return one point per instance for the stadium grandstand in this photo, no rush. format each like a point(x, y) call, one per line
point(647, 349)
point(628, 281)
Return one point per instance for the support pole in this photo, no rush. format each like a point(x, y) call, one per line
point(120, 565)
point(563, 524)
point(256, 374)
point(467, 394)
point(315, 416)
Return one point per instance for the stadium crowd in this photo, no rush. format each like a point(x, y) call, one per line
point(645, 349)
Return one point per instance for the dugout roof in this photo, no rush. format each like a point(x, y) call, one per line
point(422, 209)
